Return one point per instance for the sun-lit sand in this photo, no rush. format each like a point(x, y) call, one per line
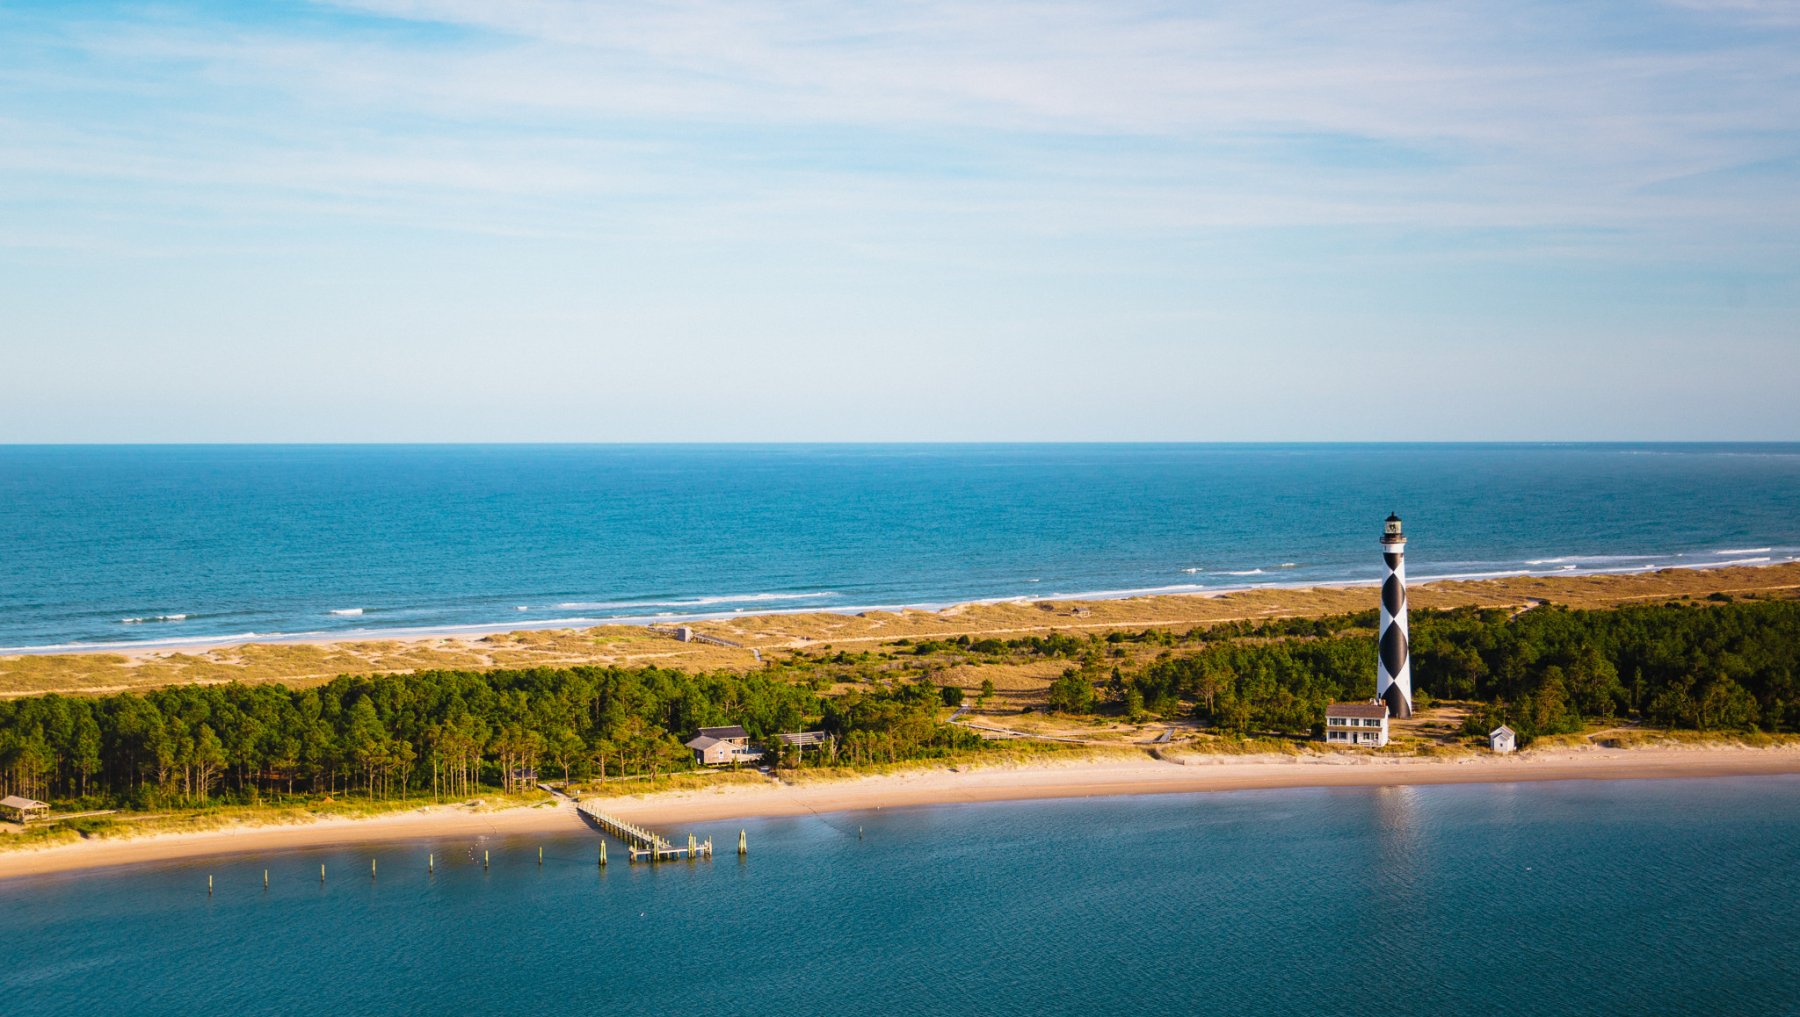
point(1123, 771)
point(320, 660)
point(1122, 774)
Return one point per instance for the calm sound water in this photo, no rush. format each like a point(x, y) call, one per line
point(1643, 897)
point(164, 544)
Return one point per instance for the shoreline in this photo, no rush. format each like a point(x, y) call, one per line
point(1101, 776)
point(740, 642)
point(483, 630)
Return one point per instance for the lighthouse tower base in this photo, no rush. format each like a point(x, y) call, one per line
point(1399, 707)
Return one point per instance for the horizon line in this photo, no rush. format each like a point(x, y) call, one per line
point(852, 443)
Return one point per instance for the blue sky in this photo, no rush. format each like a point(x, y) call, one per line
point(712, 220)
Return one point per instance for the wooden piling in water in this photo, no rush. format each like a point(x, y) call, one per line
point(208, 885)
point(484, 858)
point(540, 854)
point(265, 879)
point(431, 863)
point(371, 868)
point(321, 873)
point(743, 843)
point(603, 853)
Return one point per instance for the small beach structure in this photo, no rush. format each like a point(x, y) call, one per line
point(689, 634)
point(1364, 723)
point(22, 810)
point(1503, 739)
point(800, 741)
point(723, 746)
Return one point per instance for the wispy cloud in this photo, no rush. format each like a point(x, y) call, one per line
point(1225, 189)
point(1278, 114)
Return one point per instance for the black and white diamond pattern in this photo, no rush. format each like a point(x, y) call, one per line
point(1393, 677)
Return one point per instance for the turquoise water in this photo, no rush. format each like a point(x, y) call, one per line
point(166, 544)
point(1653, 897)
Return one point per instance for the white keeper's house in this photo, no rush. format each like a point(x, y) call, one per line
point(1362, 724)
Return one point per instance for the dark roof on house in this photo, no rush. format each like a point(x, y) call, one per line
point(1392, 518)
point(802, 738)
point(734, 731)
point(704, 742)
point(1376, 710)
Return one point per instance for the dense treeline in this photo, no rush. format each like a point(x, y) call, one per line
point(444, 732)
point(1548, 670)
point(1728, 666)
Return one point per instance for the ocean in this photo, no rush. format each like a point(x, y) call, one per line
point(1581, 897)
point(129, 545)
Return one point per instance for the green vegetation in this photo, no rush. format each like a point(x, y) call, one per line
point(1719, 667)
point(446, 733)
point(1710, 665)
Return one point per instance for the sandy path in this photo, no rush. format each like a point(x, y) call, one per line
point(1072, 779)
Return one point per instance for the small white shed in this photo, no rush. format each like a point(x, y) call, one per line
point(1502, 739)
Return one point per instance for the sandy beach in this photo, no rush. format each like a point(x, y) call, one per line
point(1121, 775)
point(322, 658)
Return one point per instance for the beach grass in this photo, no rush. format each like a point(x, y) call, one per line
point(1016, 684)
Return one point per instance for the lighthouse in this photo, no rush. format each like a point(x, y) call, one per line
point(1393, 673)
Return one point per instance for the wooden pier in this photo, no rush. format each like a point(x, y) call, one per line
point(645, 844)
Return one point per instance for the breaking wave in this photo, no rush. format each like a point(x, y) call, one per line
point(1597, 559)
point(103, 647)
point(748, 598)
